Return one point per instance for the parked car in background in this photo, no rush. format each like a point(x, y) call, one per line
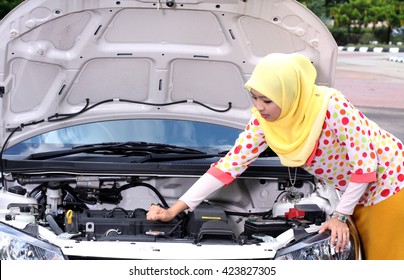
point(109, 106)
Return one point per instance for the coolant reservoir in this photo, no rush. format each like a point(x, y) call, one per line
point(25, 215)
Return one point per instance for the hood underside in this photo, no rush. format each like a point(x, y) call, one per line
point(144, 59)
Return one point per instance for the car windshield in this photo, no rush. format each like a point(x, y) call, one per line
point(205, 137)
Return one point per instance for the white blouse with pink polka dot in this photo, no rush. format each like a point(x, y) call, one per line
point(350, 148)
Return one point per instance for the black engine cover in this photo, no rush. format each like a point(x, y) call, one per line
point(120, 222)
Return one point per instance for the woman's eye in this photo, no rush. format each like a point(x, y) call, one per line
point(267, 101)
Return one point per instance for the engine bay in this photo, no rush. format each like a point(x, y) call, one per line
point(94, 208)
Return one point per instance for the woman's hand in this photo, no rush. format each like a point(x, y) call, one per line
point(157, 213)
point(339, 233)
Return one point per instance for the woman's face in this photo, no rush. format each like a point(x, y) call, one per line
point(268, 109)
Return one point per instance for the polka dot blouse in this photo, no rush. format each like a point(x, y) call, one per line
point(350, 148)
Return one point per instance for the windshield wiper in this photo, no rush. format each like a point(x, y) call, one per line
point(171, 157)
point(119, 148)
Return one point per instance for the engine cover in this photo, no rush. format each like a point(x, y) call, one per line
point(119, 222)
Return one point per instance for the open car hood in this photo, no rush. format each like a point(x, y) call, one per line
point(132, 59)
point(164, 76)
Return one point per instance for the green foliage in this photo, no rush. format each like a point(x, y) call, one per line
point(363, 14)
point(360, 21)
point(7, 5)
point(366, 38)
point(340, 35)
point(318, 7)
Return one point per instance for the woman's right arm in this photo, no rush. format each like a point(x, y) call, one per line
point(202, 188)
point(248, 146)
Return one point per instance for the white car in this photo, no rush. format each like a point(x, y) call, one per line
point(110, 106)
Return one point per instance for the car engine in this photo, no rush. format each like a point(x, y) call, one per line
point(97, 208)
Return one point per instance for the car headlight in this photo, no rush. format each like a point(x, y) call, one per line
point(18, 245)
point(317, 247)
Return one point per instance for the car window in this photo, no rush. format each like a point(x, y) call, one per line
point(202, 136)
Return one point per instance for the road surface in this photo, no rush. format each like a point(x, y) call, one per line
point(375, 85)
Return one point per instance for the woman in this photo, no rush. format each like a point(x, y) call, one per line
point(318, 129)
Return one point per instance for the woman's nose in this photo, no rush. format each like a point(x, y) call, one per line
point(259, 105)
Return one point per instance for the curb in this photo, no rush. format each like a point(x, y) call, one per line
point(396, 58)
point(371, 49)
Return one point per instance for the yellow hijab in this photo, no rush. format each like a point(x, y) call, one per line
point(289, 81)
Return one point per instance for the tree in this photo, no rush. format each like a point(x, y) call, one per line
point(7, 5)
point(362, 13)
point(355, 15)
point(318, 7)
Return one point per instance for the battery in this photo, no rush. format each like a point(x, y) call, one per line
point(312, 213)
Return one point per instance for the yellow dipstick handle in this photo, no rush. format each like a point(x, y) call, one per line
point(69, 216)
